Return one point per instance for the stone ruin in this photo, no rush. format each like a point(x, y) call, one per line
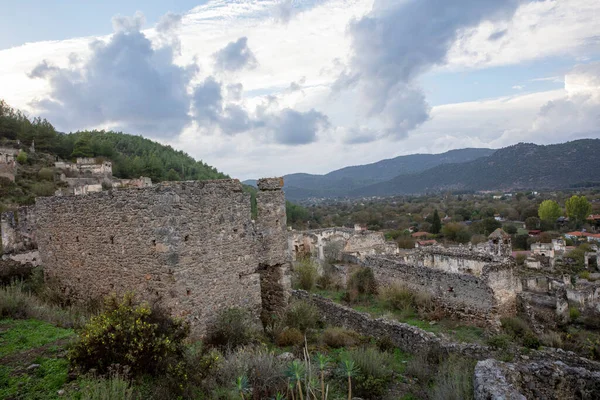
point(8, 163)
point(90, 175)
point(190, 246)
point(18, 236)
point(337, 243)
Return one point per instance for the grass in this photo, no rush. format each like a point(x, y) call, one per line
point(27, 342)
point(19, 335)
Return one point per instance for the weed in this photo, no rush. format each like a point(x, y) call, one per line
point(339, 337)
point(302, 315)
point(233, 327)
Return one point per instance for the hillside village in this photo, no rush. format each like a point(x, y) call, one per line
point(521, 323)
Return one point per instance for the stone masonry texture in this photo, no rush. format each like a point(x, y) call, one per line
point(190, 246)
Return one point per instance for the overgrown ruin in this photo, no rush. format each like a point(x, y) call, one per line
point(190, 246)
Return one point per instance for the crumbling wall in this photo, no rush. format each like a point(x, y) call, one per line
point(18, 230)
point(469, 296)
point(449, 260)
point(546, 379)
point(191, 246)
point(8, 163)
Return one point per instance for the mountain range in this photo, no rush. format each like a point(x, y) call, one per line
point(518, 167)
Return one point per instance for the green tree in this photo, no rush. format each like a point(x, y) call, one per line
point(549, 211)
point(172, 175)
point(82, 146)
point(436, 223)
point(578, 208)
point(532, 223)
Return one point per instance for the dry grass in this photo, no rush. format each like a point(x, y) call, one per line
point(340, 337)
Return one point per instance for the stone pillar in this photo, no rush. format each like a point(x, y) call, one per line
point(272, 247)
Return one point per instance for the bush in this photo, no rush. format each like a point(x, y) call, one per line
point(363, 281)
point(574, 313)
point(340, 337)
point(520, 259)
point(375, 371)
point(129, 334)
point(302, 315)
point(397, 297)
point(551, 339)
point(115, 387)
point(22, 157)
point(531, 341)
point(454, 379)
point(290, 337)
point(306, 275)
point(43, 188)
point(233, 327)
point(515, 326)
point(46, 174)
point(499, 342)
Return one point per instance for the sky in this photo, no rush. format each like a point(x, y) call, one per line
point(267, 88)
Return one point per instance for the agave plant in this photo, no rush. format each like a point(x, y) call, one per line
point(296, 371)
point(242, 385)
point(322, 362)
point(350, 370)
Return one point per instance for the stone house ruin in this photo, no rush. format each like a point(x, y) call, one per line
point(8, 163)
point(191, 246)
point(18, 236)
point(335, 243)
point(90, 175)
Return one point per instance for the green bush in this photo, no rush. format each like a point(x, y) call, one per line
point(574, 313)
point(551, 339)
point(22, 157)
point(375, 371)
point(233, 327)
point(362, 282)
point(501, 341)
point(114, 387)
point(454, 379)
point(340, 337)
point(134, 335)
point(397, 297)
point(306, 275)
point(302, 315)
point(290, 337)
point(46, 174)
point(515, 326)
point(531, 341)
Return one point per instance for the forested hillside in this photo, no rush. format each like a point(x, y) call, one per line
point(518, 167)
point(132, 156)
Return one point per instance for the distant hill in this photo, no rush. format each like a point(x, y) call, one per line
point(343, 182)
point(522, 166)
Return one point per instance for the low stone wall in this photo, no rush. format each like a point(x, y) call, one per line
point(18, 230)
point(534, 380)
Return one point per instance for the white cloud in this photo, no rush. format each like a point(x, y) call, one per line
point(298, 62)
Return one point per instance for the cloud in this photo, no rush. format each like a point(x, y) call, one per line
point(126, 83)
point(498, 34)
point(518, 87)
point(578, 112)
point(397, 42)
point(234, 91)
point(235, 56)
point(284, 11)
point(169, 22)
point(291, 127)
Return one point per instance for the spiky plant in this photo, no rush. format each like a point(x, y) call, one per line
point(322, 362)
point(349, 369)
point(242, 385)
point(296, 371)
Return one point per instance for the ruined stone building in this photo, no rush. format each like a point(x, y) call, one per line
point(8, 163)
point(18, 236)
point(332, 243)
point(191, 246)
point(90, 175)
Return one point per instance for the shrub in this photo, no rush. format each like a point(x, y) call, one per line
point(233, 327)
point(114, 387)
point(290, 337)
point(306, 275)
point(43, 188)
point(397, 297)
point(375, 371)
point(551, 339)
point(339, 337)
point(515, 326)
point(129, 334)
point(520, 259)
point(46, 174)
point(454, 379)
point(302, 315)
point(22, 157)
point(501, 341)
point(531, 341)
point(386, 344)
point(363, 281)
point(574, 313)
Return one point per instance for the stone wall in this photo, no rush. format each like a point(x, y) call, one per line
point(483, 297)
point(8, 163)
point(545, 379)
point(18, 230)
point(191, 246)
